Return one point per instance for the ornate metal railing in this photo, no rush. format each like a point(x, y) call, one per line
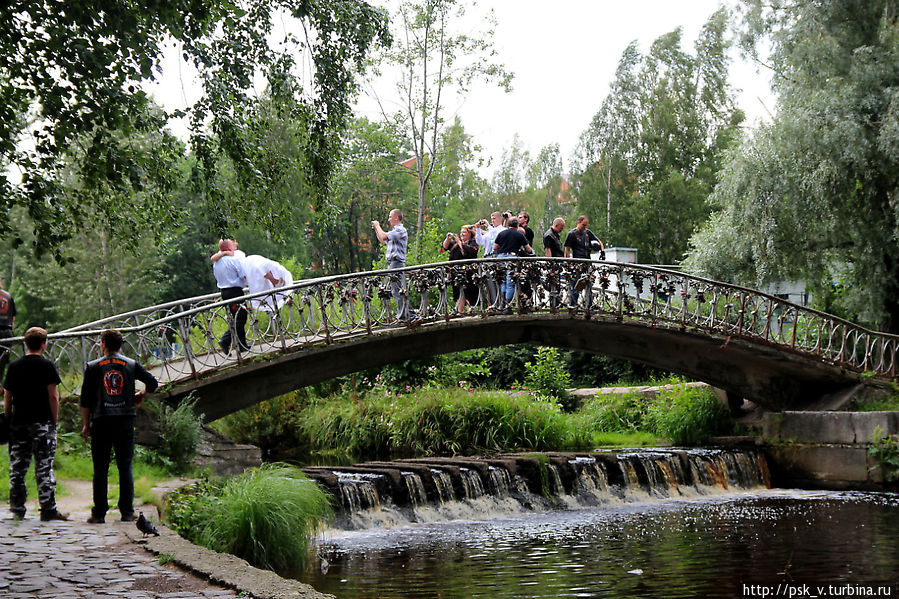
point(180, 340)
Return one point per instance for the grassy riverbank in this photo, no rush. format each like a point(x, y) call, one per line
point(454, 421)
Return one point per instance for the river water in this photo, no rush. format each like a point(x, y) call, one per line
point(723, 545)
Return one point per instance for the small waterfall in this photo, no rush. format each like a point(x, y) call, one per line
point(358, 491)
point(655, 477)
point(444, 485)
point(471, 483)
point(490, 489)
point(500, 482)
point(590, 478)
point(416, 488)
point(631, 480)
point(555, 480)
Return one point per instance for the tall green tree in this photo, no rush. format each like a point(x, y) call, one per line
point(70, 86)
point(457, 188)
point(650, 157)
point(812, 194)
point(370, 182)
point(438, 59)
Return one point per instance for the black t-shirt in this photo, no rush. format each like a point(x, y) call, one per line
point(509, 241)
point(27, 380)
point(553, 241)
point(579, 242)
point(529, 233)
point(7, 310)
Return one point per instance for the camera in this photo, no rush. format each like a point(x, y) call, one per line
point(507, 214)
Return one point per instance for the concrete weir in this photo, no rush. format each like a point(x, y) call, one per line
point(428, 489)
point(826, 449)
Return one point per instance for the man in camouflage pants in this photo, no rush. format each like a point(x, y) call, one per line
point(31, 402)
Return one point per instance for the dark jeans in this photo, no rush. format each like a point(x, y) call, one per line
point(238, 313)
point(113, 433)
point(4, 353)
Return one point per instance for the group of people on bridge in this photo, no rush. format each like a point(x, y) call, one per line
point(503, 236)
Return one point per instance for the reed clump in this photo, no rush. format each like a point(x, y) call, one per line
point(267, 516)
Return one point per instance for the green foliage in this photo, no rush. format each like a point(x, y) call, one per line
point(165, 558)
point(268, 515)
point(77, 70)
point(651, 155)
point(687, 415)
point(439, 57)
point(810, 195)
point(548, 377)
point(436, 422)
point(270, 424)
point(616, 413)
point(369, 183)
point(180, 431)
point(885, 449)
point(456, 189)
point(888, 404)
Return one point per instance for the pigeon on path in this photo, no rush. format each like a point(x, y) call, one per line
point(145, 526)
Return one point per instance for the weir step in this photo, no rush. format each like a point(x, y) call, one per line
point(401, 489)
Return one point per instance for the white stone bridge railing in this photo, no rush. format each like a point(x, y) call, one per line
point(179, 340)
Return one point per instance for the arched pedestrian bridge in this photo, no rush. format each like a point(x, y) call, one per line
point(751, 344)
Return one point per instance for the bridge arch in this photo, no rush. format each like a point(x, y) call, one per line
point(749, 343)
point(763, 374)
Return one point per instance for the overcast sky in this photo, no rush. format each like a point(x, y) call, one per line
point(563, 53)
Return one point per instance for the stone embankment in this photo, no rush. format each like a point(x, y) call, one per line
point(825, 449)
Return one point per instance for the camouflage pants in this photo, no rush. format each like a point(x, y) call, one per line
point(25, 441)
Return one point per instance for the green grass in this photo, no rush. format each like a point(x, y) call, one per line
point(436, 422)
point(624, 439)
point(379, 424)
point(266, 515)
point(890, 404)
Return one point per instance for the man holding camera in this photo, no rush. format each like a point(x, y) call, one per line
point(577, 245)
point(397, 239)
point(487, 237)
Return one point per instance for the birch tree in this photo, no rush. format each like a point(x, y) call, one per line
point(437, 65)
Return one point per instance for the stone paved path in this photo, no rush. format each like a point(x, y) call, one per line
point(83, 561)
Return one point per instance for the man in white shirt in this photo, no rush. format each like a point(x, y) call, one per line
point(487, 237)
point(230, 276)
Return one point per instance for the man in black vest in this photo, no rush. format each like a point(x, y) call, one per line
point(108, 407)
point(7, 320)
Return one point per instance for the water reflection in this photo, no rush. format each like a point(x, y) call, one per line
point(675, 548)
